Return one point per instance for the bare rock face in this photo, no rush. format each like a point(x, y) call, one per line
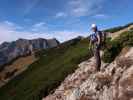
point(113, 82)
point(22, 47)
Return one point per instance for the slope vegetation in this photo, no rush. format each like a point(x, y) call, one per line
point(47, 73)
point(113, 82)
point(14, 69)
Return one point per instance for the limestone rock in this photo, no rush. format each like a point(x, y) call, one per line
point(115, 82)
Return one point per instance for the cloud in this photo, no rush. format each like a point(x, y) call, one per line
point(39, 27)
point(60, 14)
point(67, 35)
point(8, 24)
point(40, 24)
point(9, 32)
point(84, 7)
point(101, 16)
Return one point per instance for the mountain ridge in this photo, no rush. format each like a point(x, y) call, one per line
point(22, 47)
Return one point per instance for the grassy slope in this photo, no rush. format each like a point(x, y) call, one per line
point(46, 73)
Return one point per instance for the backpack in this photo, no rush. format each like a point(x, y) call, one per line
point(93, 37)
point(103, 37)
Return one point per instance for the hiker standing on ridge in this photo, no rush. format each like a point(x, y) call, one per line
point(96, 42)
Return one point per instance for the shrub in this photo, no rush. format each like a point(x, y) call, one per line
point(126, 39)
point(112, 50)
point(114, 47)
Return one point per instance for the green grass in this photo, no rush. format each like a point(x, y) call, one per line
point(47, 73)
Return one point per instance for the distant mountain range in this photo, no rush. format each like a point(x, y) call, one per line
point(23, 47)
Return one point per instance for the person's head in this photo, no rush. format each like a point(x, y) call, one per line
point(94, 27)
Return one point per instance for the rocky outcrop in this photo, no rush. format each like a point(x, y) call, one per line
point(113, 82)
point(22, 47)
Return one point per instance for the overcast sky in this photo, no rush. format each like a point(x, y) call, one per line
point(61, 19)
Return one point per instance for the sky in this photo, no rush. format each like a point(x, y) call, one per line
point(61, 19)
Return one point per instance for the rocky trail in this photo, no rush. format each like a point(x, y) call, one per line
point(113, 82)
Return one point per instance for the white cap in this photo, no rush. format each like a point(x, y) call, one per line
point(93, 26)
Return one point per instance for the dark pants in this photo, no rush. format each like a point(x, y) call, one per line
point(97, 57)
